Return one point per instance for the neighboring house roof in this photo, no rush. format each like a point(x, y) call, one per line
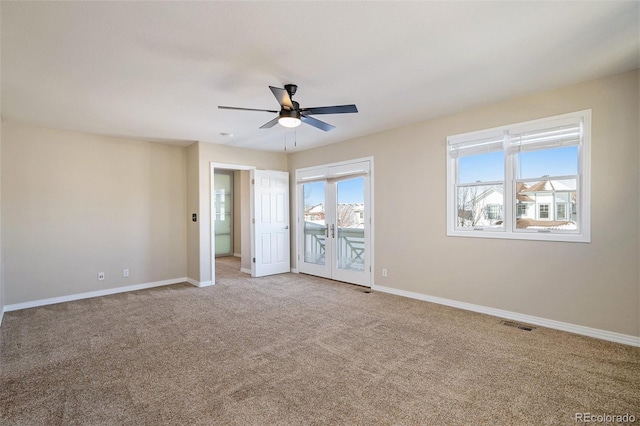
point(488, 192)
point(543, 186)
point(522, 187)
point(522, 190)
point(318, 208)
point(547, 186)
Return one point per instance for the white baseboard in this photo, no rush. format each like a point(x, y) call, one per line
point(1, 314)
point(88, 295)
point(245, 270)
point(294, 270)
point(543, 322)
point(199, 283)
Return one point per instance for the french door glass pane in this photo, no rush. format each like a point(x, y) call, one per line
point(314, 222)
point(350, 224)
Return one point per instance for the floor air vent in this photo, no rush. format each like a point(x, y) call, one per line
point(516, 325)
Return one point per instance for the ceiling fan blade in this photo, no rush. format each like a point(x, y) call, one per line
point(336, 109)
point(317, 123)
point(282, 96)
point(247, 109)
point(270, 124)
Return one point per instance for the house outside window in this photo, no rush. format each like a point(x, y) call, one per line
point(528, 180)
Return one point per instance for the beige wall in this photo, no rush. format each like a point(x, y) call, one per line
point(193, 206)
point(594, 285)
point(214, 153)
point(76, 204)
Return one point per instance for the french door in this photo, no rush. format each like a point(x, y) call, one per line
point(334, 222)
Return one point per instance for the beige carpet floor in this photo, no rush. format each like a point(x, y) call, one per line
point(294, 349)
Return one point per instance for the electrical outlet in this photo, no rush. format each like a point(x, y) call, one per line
point(125, 273)
point(384, 272)
point(100, 276)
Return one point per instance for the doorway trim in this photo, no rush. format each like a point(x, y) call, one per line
point(300, 220)
point(212, 248)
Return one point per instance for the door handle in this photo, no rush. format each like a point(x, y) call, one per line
point(326, 231)
point(286, 227)
point(333, 231)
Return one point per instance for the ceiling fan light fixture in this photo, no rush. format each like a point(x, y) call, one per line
point(289, 118)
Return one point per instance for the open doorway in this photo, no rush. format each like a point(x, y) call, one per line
point(231, 216)
point(264, 220)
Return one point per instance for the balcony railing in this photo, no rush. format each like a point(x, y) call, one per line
point(349, 245)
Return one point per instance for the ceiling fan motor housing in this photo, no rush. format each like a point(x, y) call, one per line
point(291, 89)
point(290, 113)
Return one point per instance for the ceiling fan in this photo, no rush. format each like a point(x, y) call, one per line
point(291, 115)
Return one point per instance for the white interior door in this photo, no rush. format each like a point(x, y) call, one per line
point(270, 223)
point(334, 231)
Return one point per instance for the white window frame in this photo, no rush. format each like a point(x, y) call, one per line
point(509, 231)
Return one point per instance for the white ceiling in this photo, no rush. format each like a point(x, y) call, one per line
point(158, 70)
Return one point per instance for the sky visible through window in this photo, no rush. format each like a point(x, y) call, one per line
point(531, 164)
point(349, 191)
point(313, 193)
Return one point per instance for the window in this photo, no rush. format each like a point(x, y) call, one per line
point(543, 211)
point(526, 181)
point(561, 211)
point(493, 211)
point(480, 183)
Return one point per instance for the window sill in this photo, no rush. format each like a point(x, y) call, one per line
point(530, 236)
